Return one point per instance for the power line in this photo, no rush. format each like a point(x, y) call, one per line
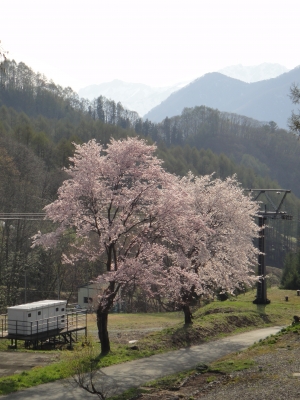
point(26, 216)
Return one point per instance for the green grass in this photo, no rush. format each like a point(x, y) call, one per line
point(210, 321)
point(138, 320)
point(231, 365)
point(34, 377)
point(4, 344)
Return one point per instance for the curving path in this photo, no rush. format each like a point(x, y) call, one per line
point(118, 378)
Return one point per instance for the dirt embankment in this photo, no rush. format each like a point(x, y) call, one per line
point(226, 322)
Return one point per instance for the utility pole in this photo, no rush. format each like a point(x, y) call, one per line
point(25, 285)
point(276, 213)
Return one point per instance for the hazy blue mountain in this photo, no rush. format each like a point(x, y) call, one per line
point(254, 73)
point(142, 98)
point(134, 96)
point(266, 100)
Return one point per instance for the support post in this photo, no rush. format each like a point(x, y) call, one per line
point(261, 296)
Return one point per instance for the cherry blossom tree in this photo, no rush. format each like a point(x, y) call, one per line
point(177, 238)
point(120, 202)
point(222, 256)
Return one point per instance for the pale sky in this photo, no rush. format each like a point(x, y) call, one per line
point(157, 42)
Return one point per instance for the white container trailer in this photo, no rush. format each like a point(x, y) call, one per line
point(40, 316)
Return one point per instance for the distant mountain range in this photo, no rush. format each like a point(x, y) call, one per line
point(142, 98)
point(134, 96)
point(254, 73)
point(266, 100)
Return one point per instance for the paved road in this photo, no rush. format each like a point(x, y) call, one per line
point(135, 373)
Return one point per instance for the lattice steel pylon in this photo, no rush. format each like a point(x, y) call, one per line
point(276, 213)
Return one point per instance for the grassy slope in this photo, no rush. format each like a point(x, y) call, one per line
point(223, 318)
point(213, 320)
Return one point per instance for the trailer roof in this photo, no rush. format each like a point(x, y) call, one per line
point(37, 304)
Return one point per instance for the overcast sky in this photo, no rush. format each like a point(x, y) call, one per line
point(157, 42)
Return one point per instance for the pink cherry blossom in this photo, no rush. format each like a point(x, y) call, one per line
point(176, 238)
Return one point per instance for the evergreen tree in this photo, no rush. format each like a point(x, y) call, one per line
point(291, 272)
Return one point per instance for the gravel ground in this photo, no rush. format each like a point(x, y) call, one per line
point(277, 377)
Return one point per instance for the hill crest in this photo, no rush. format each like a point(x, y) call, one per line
point(266, 100)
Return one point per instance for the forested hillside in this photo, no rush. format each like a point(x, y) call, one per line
point(40, 120)
point(32, 93)
point(266, 149)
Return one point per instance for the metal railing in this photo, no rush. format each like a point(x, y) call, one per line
point(67, 322)
point(3, 324)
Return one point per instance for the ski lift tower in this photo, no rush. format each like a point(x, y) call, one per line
point(276, 213)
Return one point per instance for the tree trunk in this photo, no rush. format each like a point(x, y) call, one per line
point(187, 315)
point(102, 316)
point(102, 330)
